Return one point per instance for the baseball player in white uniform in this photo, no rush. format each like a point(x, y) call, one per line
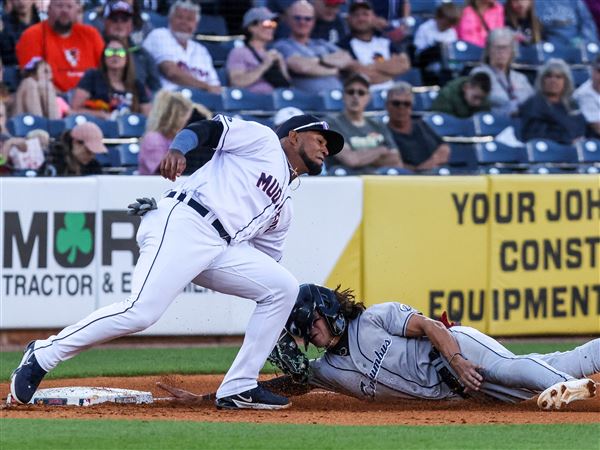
point(223, 228)
point(392, 352)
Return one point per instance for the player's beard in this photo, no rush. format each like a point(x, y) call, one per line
point(314, 168)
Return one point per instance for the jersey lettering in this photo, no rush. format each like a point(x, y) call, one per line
point(270, 186)
point(370, 389)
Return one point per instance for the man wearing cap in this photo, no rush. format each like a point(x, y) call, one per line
point(252, 66)
point(369, 144)
point(223, 228)
point(118, 22)
point(181, 60)
point(380, 59)
point(329, 24)
point(75, 153)
point(588, 97)
point(315, 64)
point(69, 47)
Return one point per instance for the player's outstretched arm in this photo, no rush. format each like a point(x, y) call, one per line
point(172, 165)
point(445, 343)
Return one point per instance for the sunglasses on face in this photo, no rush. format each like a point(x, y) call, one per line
point(266, 23)
point(118, 52)
point(399, 103)
point(359, 92)
point(304, 18)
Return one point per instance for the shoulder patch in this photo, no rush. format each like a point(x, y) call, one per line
point(404, 307)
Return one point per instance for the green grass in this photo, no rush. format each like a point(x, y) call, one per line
point(110, 434)
point(154, 361)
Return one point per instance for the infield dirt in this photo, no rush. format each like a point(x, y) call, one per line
point(317, 407)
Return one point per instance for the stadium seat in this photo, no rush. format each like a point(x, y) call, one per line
point(214, 102)
point(591, 50)
point(128, 154)
point(580, 75)
point(529, 55)
point(266, 121)
point(219, 51)
point(547, 151)
point(447, 125)
point(377, 102)
point(333, 100)
point(462, 52)
point(11, 77)
point(223, 76)
point(155, 19)
point(110, 159)
point(241, 100)
point(424, 7)
point(497, 153)
point(570, 54)
point(463, 158)
point(214, 25)
point(131, 125)
point(588, 151)
point(109, 128)
point(423, 100)
point(299, 99)
point(22, 124)
point(56, 127)
point(413, 77)
point(489, 124)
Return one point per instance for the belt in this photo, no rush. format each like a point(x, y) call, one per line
point(203, 211)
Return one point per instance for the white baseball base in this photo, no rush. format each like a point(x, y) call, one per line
point(85, 396)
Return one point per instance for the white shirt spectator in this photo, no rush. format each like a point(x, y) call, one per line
point(428, 35)
point(163, 46)
point(368, 52)
point(589, 101)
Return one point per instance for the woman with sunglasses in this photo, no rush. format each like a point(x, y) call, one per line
point(253, 67)
point(112, 89)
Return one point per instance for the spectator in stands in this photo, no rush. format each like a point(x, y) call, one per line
point(131, 16)
point(315, 65)
point(111, 90)
point(478, 19)
point(464, 96)
point(594, 7)
point(566, 22)
point(170, 113)
point(119, 22)
point(429, 39)
point(509, 87)
point(253, 67)
point(70, 48)
point(23, 13)
point(6, 96)
point(588, 98)
point(390, 18)
point(329, 24)
point(519, 16)
point(181, 60)
point(75, 152)
point(36, 93)
point(369, 144)
point(420, 148)
point(380, 60)
point(551, 113)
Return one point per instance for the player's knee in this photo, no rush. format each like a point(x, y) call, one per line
point(144, 320)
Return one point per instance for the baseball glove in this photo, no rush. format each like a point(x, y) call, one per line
point(141, 206)
point(289, 359)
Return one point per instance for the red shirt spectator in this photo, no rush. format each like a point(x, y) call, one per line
point(478, 19)
point(70, 48)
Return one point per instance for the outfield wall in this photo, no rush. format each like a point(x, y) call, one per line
point(510, 255)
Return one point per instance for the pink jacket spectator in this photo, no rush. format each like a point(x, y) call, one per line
point(471, 29)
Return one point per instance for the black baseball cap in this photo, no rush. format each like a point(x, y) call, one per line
point(308, 122)
point(357, 4)
point(117, 6)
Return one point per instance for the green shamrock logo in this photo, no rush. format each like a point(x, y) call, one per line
point(74, 237)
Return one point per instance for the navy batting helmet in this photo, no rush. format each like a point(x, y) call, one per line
point(311, 298)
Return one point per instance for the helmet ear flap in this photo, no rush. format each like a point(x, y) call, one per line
point(328, 306)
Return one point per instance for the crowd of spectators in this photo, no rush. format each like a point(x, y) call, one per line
point(110, 59)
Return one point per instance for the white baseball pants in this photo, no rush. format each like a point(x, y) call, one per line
point(178, 246)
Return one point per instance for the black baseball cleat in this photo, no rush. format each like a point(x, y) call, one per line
point(257, 398)
point(26, 378)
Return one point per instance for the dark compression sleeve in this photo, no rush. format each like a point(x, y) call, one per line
point(202, 134)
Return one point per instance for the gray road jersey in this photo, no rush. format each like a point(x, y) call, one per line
point(385, 365)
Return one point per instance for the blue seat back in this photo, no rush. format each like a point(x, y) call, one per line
point(462, 52)
point(413, 77)
point(22, 124)
point(489, 124)
point(377, 102)
point(291, 97)
point(333, 100)
point(495, 152)
point(215, 25)
point(447, 125)
point(128, 154)
point(11, 77)
point(214, 102)
point(131, 125)
point(235, 99)
point(110, 159)
point(570, 54)
point(424, 100)
point(462, 156)
point(588, 151)
point(547, 151)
